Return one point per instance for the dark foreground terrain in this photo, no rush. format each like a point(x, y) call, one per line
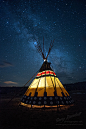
point(13, 116)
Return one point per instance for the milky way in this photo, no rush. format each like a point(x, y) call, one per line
point(27, 21)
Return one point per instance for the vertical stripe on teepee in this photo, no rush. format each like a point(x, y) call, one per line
point(49, 87)
point(41, 87)
point(58, 89)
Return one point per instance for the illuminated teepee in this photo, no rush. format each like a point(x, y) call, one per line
point(46, 89)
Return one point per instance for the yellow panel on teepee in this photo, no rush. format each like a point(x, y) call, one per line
point(49, 87)
point(41, 87)
point(40, 92)
point(32, 87)
point(41, 82)
point(53, 80)
point(34, 83)
point(31, 90)
point(58, 89)
point(62, 87)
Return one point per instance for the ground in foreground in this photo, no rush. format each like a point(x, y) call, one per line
point(13, 116)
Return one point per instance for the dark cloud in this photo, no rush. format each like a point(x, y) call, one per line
point(5, 64)
point(10, 82)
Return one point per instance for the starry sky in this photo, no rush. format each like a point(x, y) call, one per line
point(25, 22)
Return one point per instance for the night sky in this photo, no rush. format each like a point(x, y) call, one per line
point(24, 22)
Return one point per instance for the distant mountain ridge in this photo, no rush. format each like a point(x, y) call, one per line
point(68, 87)
point(76, 86)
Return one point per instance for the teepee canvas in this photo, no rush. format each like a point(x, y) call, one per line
point(46, 88)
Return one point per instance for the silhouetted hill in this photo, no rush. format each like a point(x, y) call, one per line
point(21, 91)
point(76, 86)
point(13, 90)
